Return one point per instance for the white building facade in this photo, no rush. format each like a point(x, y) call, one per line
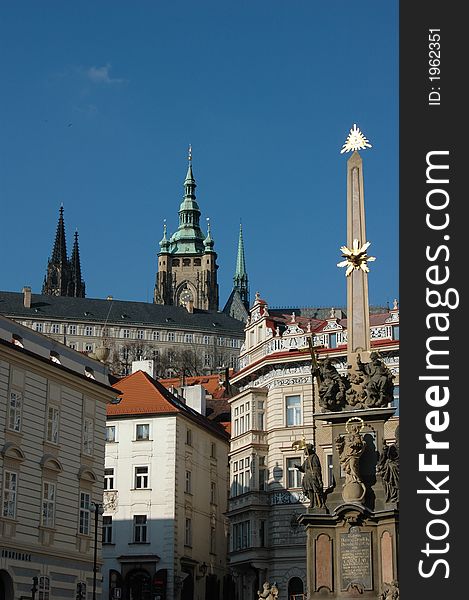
point(52, 419)
point(273, 410)
point(166, 488)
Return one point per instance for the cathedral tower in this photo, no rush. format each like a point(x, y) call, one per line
point(63, 276)
point(187, 267)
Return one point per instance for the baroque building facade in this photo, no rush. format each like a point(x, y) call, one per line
point(270, 418)
point(166, 488)
point(52, 419)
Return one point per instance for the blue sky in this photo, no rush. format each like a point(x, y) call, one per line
point(100, 101)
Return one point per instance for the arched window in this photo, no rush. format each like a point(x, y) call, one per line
point(295, 589)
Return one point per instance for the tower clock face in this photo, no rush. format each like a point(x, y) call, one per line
point(186, 296)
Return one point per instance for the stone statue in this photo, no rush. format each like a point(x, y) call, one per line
point(270, 592)
point(350, 447)
point(332, 386)
point(312, 479)
point(390, 591)
point(388, 468)
point(378, 385)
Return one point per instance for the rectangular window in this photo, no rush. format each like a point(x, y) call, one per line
point(142, 431)
point(84, 516)
point(189, 437)
point(72, 329)
point(89, 347)
point(107, 530)
point(88, 330)
point(188, 487)
point(294, 476)
point(213, 450)
point(207, 360)
point(52, 434)
point(330, 472)
point(293, 405)
point(14, 411)
point(241, 538)
point(140, 529)
point(395, 401)
point(111, 433)
point(262, 474)
point(188, 532)
point(141, 478)
point(206, 340)
point(126, 333)
point(155, 336)
point(212, 540)
point(10, 489)
point(188, 338)
point(140, 334)
point(241, 477)
point(88, 437)
point(213, 492)
point(48, 504)
point(38, 327)
point(55, 328)
point(171, 336)
point(262, 534)
point(43, 588)
point(109, 479)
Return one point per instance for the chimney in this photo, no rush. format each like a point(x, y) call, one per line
point(26, 297)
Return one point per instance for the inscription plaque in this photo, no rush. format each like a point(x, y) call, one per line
point(355, 559)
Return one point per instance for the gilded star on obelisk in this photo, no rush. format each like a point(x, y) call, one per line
point(355, 257)
point(355, 141)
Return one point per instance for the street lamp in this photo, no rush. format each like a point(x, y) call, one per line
point(98, 510)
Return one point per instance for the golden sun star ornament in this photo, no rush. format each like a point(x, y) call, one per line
point(355, 141)
point(355, 257)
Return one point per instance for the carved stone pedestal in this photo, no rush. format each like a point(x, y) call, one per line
point(351, 552)
point(352, 549)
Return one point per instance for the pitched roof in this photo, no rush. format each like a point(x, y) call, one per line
point(143, 395)
point(118, 311)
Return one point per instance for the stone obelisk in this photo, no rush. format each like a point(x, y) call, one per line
point(358, 316)
point(351, 546)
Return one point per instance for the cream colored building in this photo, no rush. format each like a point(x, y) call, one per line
point(273, 409)
point(166, 489)
point(52, 419)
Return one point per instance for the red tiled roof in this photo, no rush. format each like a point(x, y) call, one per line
point(141, 394)
point(211, 383)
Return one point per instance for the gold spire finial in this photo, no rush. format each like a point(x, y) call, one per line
point(355, 141)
